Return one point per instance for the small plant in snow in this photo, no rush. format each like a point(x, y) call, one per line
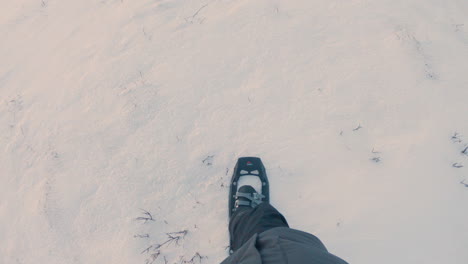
point(146, 217)
point(456, 138)
point(141, 236)
point(192, 18)
point(208, 161)
point(465, 151)
point(463, 182)
point(198, 257)
point(174, 238)
point(357, 128)
point(153, 257)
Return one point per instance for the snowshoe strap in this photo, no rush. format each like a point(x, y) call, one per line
point(244, 203)
point(255, 199)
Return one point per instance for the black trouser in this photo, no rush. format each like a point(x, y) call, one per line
point(246, 221)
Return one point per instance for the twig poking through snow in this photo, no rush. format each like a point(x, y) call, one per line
point(148, 37)
point(173, 237)
point(376, 159)
point(142, 79)
point(142, 236)
point(465, 151)
point(176, 236)
point(147, 216)
point(191, 18)
point(197, 256)
point(456, 138)
point(146, 250)
point(153, 257)
point(357, 128)
point(457, 165)
point(208, 161)
point(463, 183)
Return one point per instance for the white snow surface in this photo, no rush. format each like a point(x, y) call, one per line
point(251, 180)
point(110, 108)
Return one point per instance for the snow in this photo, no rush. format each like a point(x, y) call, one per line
point(113, 108)
point(253, 181)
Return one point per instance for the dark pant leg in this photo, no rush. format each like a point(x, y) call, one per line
point(245, 222)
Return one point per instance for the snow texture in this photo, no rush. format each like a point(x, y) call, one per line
point(121, 121)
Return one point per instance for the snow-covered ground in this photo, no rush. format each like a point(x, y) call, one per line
point(113, 108)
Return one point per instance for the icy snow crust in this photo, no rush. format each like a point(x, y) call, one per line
point(112, 111)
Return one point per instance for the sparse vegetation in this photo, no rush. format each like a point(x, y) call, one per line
point(357, 128)
point(208, 161)
point(146, 216)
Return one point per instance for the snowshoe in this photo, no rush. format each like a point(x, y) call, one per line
point(249, 185)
